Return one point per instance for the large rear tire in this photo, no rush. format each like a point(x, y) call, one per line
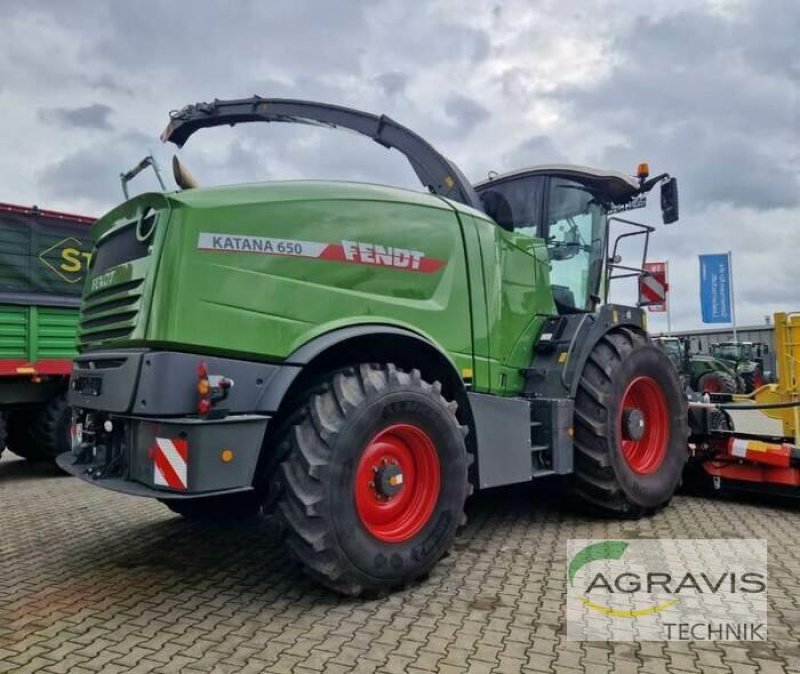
point(716, 382)
point(631, 426)
point(373, 485)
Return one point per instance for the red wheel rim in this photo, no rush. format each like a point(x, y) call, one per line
point(758, 380)
point(711, 385)
point(646, 453)
point(397, 483)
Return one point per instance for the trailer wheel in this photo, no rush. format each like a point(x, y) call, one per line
point(374, 483)
point(716, 382)
point(631, 426)
point(51, 429)
point(19, 426)
point(216, 508)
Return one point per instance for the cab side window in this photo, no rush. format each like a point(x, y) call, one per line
point(516, 204)
point(575, 240)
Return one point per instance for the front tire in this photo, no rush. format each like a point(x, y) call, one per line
point(631, 426)
point(374, 483)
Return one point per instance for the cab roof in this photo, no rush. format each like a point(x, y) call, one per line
point(617, 187)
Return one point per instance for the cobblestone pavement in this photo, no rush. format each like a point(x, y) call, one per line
point(93, 581)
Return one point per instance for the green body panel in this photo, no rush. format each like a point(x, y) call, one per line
point(479, 293)
point(702, 364)
point(517, 298)
point(32, 333)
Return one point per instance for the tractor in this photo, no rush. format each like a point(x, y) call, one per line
point(747, 360)
point(704, 374)
point(358, 359)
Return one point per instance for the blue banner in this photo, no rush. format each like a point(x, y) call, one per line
point(715, 288)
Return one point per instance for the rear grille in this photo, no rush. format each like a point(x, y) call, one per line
point(114, 290)
point(109, 314)
point(110, 319)
point(121, 246)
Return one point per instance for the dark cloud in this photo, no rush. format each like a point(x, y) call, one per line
point(291, 151)
point(92, 172)
point(706, 91)
point(93, 116)
point(685, 95)
point(392, 83)
point(465, 112)
point(532, 152)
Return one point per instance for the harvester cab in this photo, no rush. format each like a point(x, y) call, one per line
point(359, 358)
point(570, 207)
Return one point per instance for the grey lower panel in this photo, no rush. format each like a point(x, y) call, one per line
point(164, 382)
point(113, 376)
point(124, 458)
point(555, 416)
point(520, 439)
point(168, 380)
point(67, 463)
point(504, 439)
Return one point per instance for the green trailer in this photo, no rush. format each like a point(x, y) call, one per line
point(358, 359)
point(43, 260)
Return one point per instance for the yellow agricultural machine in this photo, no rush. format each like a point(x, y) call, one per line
point(755, 461)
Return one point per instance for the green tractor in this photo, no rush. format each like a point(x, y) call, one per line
point(359, 359)
point(746, 358)
point(703, 374)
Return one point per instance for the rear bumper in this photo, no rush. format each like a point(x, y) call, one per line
point(137, 430)
point(168, 458)
point(86, 472)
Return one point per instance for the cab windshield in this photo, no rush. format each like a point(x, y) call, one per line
point(576, 229)
point(732, 351)
point(573, 224)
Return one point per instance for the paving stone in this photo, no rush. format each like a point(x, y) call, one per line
point(117, 585)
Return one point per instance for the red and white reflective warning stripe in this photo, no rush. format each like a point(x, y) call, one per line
point(353, 252)
point(171, 463)
point(653, 289)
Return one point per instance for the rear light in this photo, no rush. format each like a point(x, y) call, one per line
point(203, 390)
point(211, 390)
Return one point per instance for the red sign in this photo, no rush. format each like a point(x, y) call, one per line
point(653, 286)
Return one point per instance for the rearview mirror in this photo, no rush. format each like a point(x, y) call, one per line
point(669, 201)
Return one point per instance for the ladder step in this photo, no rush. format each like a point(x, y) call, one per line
point(540, 448)
point(543, 473)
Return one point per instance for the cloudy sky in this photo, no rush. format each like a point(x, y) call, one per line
point(708, 91)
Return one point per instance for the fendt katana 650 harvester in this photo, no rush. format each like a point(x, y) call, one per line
point(361, 357)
